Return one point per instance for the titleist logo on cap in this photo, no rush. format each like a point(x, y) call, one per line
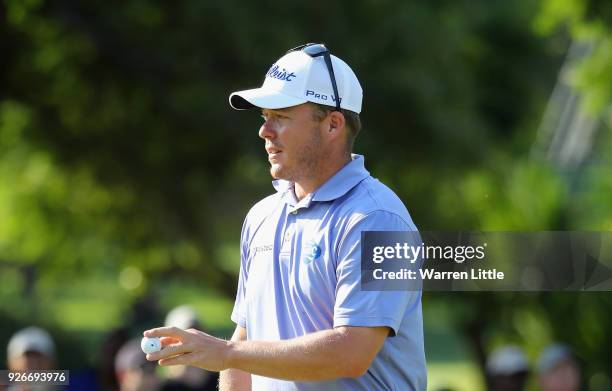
point(280, 75)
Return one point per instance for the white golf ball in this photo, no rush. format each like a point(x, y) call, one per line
point(150, 345)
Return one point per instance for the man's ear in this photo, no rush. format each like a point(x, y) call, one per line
point(336, 121)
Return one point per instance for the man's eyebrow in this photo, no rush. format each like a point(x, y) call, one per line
point(275, 111)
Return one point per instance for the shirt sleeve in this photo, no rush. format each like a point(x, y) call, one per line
point(239, 312)
point(355, 307)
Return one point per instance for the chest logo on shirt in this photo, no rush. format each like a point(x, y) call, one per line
point(312, 251)
point(261, 249)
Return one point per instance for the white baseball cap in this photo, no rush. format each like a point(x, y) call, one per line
point(507, 360)
point(299, 77)
point(183, 317)
point(31, 339)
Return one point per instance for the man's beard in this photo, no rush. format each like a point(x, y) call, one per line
point(306, 164)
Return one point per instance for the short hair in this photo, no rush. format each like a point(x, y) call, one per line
point(353, 122)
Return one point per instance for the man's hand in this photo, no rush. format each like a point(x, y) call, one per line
point(189, 347)
point(323, 355)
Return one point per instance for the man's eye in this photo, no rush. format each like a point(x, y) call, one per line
point(273, 117)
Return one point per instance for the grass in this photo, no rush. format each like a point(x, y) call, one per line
point(457, 376)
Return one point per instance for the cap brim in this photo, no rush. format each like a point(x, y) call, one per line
point(263, 98)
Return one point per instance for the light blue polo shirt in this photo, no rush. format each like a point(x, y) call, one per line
point(301, 269)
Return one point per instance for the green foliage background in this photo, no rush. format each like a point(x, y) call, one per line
point(125, 176)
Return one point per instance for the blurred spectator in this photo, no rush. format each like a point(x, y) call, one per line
point(557, 369)
point(507, 369)
point(133, 371)
point(31, 348)
point(113, 341)
point(187, 378)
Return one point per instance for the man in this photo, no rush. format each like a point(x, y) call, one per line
point(558, 369)
point(507, 369)
point(133, 372)
point(31, 349)
point(303, 323)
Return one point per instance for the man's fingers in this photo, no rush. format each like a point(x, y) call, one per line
point(173, 332)
point(169, 351)
point(183, 359)
point(165, 341)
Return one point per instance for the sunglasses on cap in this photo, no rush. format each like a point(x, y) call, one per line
point(317, 50)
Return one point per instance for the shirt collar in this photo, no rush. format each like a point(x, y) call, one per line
point(338, 185)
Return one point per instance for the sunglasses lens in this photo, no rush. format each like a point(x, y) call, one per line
point(313, 50)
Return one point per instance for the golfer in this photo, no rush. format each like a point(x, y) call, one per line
point(302, 321)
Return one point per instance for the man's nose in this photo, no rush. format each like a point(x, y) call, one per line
point(266, 131)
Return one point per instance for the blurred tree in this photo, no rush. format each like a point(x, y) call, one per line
point(515, 193)
point(129, 107)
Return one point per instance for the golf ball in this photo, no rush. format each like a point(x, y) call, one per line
point(150, 345)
